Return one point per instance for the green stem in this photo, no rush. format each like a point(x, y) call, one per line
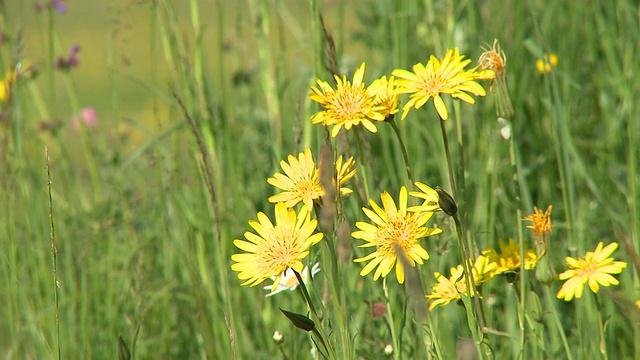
point(523, 275)
point(551, 303)
point(405, 155)
point(397, 351)
point(363, 162)
point(476, 309)
point(452, 181)
point(434, 339)
point(318, 330)
point(54, 254)
point(603, 342)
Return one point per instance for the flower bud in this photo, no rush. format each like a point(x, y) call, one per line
point(388, 350)
point(278, 338)
point(447, 203)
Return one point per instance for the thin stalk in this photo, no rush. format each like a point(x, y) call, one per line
point(363, 162)
point(523, 275)
point(405, 155)
point(434, 340)
point(551, 302)
point(397, 351)
point(318, 330)
point(476, 309)
point(603, 342)
point(54, 254)
point(452, 181)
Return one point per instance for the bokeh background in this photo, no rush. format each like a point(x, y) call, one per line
point(143, 251)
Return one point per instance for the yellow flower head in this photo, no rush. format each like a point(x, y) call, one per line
point(7, 84)
point(595, 268)
point(449, 289)
point(385, 96)
point(393, 230)
point(430, 197)
point(350, 104)
point(273, 249)
point(446, 76)
point(509, 257)
point(301, 179)
point(483, 269)
point(547, 62)
point(541, 221)
point(344, 172)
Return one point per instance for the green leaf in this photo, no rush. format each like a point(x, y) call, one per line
point(300, 321)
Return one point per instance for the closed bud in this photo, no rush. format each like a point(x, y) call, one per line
point(447, 203)
point(300, 321)
point(278, 338)
point(388, 350)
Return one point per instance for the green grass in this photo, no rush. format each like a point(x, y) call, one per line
point(145, 213)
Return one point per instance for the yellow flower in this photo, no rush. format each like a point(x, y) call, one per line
point(350, 104)
point(483, 269)
point(394, 230)
point(7, 83)
point(449, 289)
point(275, 248)
point(385, 96)
point(301, 179)
point(547, 62)
point(344, 172)
point(509, 257)
point(541, 221)
point(594, 269)
point(440, 77)
point(430, 197)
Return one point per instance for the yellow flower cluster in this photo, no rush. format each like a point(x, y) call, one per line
point(352, 103)
point(275, 248)
point(484, 268)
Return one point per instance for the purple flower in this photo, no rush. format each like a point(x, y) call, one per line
point(57, 4)
point(71, 61)
point(62, 8)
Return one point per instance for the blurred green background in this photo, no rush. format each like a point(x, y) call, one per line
point(143, 252)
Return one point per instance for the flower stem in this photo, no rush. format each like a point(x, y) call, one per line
point(476, 309)
point(363, 162)
point(523, 283)
point(397, 353)
point(405, 155)
point(318, 331)
point(452, 181)
point(551, 302)
point(603, 343)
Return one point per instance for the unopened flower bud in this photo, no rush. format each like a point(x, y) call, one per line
point(388, 350)
point(447, 203)
point(278, 338)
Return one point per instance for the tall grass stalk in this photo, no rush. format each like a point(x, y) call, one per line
point(54, 256)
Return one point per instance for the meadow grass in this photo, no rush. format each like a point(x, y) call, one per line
point(117, 235)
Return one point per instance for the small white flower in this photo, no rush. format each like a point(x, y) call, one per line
point(506, 130)
point(289, 281)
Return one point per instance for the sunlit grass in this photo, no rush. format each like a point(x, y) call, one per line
point(198, 103)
